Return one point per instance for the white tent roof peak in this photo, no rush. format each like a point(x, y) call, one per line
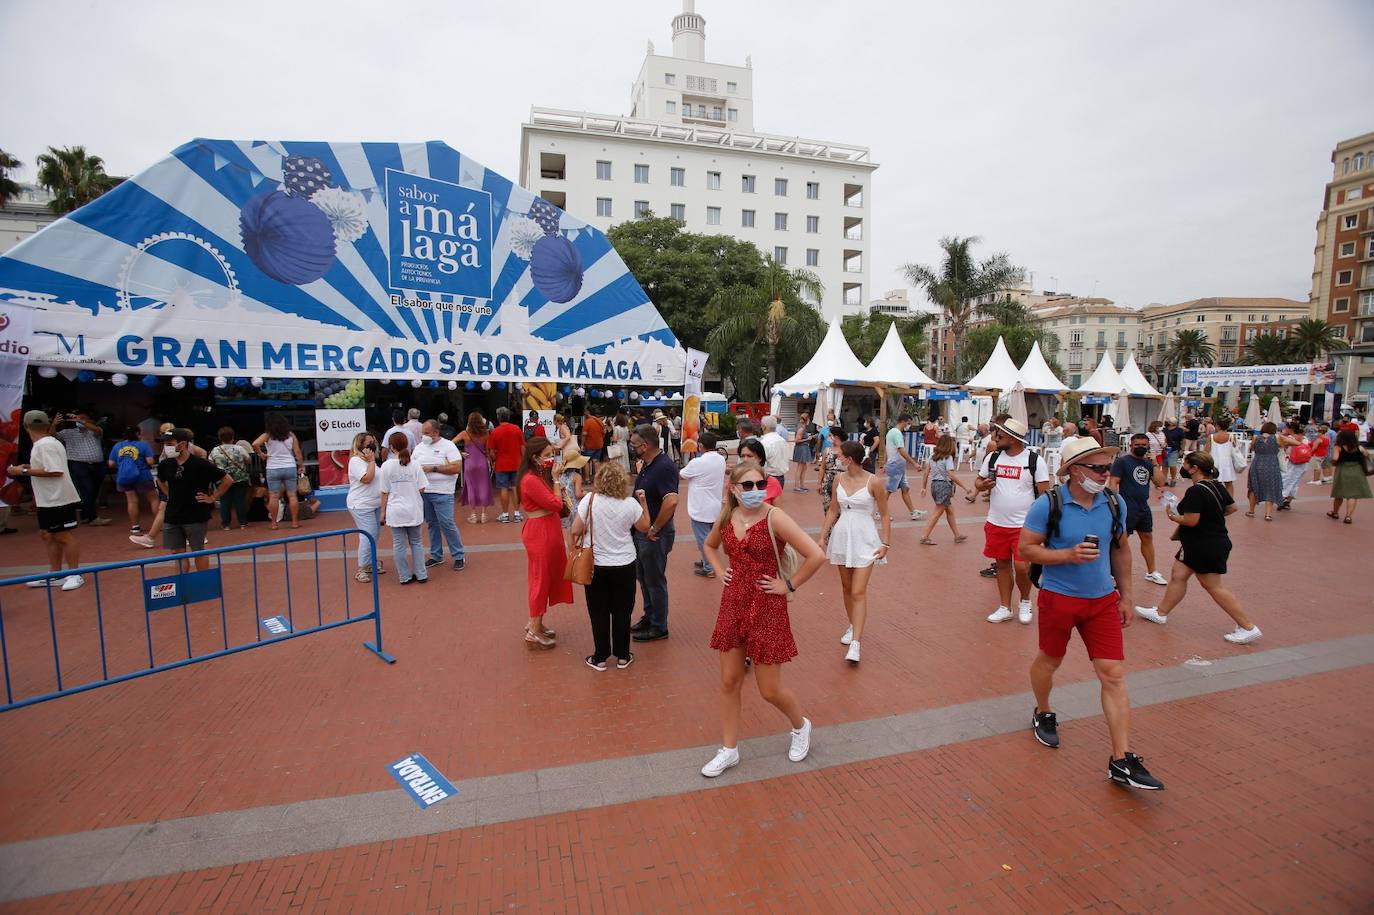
point(1135, 380)
point(998, 374)
point(833, 361)
point(1036, 374)
point(893, 365)
point(1104, 380)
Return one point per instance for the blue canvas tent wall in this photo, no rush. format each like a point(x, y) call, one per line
point(335, 260)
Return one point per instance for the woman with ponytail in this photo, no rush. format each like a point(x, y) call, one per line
point(403, 509)
point(1204, 547)
point(541, 499)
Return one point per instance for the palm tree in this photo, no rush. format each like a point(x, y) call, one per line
point(74, 177)
point(866, 332)
point(1312, 339)
point(958, 281)
point(767, 326)
point(1187, 349)
point(8, 187)
point(1268, 349)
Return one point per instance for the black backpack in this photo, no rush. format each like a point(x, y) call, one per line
point(1052, 525)
point(1032, 461)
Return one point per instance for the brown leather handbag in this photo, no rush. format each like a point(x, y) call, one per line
point(582, 561)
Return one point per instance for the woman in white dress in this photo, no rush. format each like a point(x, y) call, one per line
point(1221, 447)
point(850, 538)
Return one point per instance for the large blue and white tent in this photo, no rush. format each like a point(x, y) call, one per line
point(336, 260)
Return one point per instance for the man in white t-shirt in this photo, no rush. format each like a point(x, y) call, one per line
point(705, 494)
point(441, 461)
point(1015, 476)
point(56, 498)
point(776, 460)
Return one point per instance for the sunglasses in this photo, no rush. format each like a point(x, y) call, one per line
point(748, 485)
point(1096, 468)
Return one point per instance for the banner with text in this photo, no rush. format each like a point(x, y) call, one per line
point(334, 429)
point(691, 393)
point(1246, 375)
point(16, 341)
point(334, 260)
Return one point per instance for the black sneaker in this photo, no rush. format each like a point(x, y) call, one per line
point(622, 663)
point(989, 572)
point(650, 635)
point(457, 565)
point(1132, 773)
point(432, 562)
point(641, 625)
point(1046, 728)
point(594, 664)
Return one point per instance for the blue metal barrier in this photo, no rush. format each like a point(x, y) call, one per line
point(186, 587)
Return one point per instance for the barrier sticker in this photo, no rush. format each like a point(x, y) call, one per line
point(277, 625)
point(422, 781)
point(176, 590)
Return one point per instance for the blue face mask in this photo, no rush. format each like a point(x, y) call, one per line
point(751, 499)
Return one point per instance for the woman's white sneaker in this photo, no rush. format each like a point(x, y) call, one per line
point(1151, 614)
point(1156, 578)
point(801, 740)
point(725, 758)
point(848, 636)
point(1243, 636)
point(1000, 615)
point(852, 654)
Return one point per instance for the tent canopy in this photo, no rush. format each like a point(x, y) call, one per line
point(1104, 380)
point(893, 365)
point(1134, 380)
point(1036, 375)
point(833, 361)
point(998, 374)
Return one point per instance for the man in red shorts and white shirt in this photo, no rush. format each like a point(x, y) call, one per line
point(1085, 584)
point(1007, 471)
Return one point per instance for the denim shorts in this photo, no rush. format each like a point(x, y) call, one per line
point(896, 475)
point(281, 479)
point(504, 479)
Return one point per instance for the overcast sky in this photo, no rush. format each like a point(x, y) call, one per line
point(1156, 151)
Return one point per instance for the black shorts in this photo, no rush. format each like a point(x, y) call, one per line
point(58, 518)
point(1139, 522)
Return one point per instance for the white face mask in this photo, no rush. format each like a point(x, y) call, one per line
point(1092, 486)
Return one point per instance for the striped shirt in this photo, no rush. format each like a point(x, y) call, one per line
point(82, 445)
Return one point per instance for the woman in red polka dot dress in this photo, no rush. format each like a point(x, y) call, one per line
point(753, 620)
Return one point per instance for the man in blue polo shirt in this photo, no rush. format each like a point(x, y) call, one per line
point(658, 480)
point(1085, 584)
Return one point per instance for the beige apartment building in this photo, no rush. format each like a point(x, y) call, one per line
point(1227, 323)
point(1343, 265)
point(1085, 329)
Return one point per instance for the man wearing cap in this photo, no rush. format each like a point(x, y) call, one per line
point(192, 486)
point(1014, 475)
point(55, 497)
point(1085, 585)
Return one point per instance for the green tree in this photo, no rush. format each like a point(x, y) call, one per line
point(763, 333)
point(1312, 339)
point(1188, 348)
point(1267, 349)
point(8, 186)
point(74, 177)
point(1019, 339)
point(683, 271)
point(957, 282)
point(866, 332)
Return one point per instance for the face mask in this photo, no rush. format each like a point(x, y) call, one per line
point(1093, 486)
point(432, 439)
point(1140, 452)
point(548, 462)
point(751, 499)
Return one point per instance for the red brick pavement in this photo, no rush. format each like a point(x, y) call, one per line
point(319, 717)
point(1267, 809)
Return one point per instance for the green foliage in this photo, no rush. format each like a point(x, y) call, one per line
point(1019, 338)
point(74, 177)
point(866, 332)
point(725, 429)
point(8, 186)
point(1189, 348)
point(1267, 349)
point(1311, 339)
point(683, 271)
point(762, 334)
point(957, 281)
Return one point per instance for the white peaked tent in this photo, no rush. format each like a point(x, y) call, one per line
point(893, 365)
point(1135, 381)
point(833, 363)
point(1104, 380)
point(999, 373)
point(1036, 375)
point(1149, 403)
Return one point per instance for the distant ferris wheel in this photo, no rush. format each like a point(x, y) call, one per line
point(154, 282)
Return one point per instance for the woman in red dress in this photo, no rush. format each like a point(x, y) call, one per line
point(541, 499)
point(753, 621)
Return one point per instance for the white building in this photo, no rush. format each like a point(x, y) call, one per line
point(896, 303)
point(688, 150)
point(24, 214)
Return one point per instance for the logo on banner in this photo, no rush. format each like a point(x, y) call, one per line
point(337, 428)
point(163, 591)
point(4, 320)
point(440, 236)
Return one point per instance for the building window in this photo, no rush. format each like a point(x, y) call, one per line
point(1366, 304)
point(670, 79)
point(1369, 248)
point(780, 222)
point(603, 206)
point(677, 177)
point(731, 88)
point(813, 257)
point(1101, 338)
point(1264, 319)
point(1359, 161)
point(713, 181)
point(678, 211)
point(733, 114)
point(1345, 166)
point(671, 107)
point(1076, 337)
point(1075, 381)
point(780, 187)
point(713, 216)
point(1355, 193)
point(1228, 317)
point(686, 109)
point(1202, 319)
point(747, 184)
point(1350, 222)
point(1121, 338)
point(641, 209)
point(1343, 278)
point(813, 190)
point(603, 170)
point(746, 218)
point(1341, 305)
point(780, 255)
point(716, 114)
point(641, 174)
point(813, 224)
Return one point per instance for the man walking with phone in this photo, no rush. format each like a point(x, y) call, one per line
point(1077, 534)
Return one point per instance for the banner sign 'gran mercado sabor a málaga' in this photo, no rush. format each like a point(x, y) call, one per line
point(334, 260)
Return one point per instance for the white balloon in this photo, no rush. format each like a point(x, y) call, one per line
point(178, 382)
point(221, 382)
point(47, 371)
point(415, 382)
point(634, 395)
point(119, 379)
point(453, 385)
point(256, 381)
point(519, 386)
point(486, 385)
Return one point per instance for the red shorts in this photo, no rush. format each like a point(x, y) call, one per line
point(1001, 542)
point(1096, 619)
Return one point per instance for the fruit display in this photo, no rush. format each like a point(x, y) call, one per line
point(540, 395)
point(340, 395)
